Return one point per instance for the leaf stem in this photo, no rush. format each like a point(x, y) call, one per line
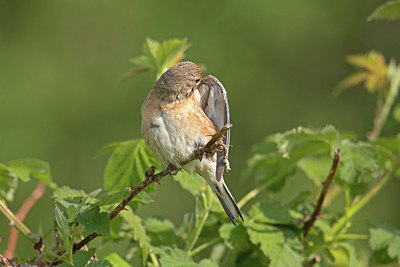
point(204, 246)
point(317, 211)
point(394, 74)
point(349, 213)
point(204, 215)
point(154, 259)
point(249, 196)
point(14, 221)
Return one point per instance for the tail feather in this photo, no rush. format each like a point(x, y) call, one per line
point(229, 204)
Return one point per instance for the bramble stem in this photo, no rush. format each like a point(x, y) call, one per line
point(325, 187)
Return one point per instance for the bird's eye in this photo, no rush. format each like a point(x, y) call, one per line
point(198, 80)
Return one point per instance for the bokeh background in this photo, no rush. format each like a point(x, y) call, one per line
point(279, 60)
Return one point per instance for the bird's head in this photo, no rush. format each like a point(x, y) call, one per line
point(178, 82)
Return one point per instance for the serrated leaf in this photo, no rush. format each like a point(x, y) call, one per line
point(81, 258)
point(195, 185)
point(26, 168)
point(127, 165)
point(158, 224)
point(67, 193)
point(100, 263)
point(385, 237)
point(158, 57)
point(273, 213)
point(64, 231)
point(388, 11)
point(116, 260)
point(358, 163)
point(234, 236)
point(269, 238)
point(174, 257)
point(95, 221)
point(8, 183)
point(138, 230)
point(287, 257)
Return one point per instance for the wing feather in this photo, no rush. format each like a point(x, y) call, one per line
point(214, 101)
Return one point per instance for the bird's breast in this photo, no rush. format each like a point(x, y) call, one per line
point(173, 132)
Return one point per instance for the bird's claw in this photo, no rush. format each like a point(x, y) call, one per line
point(150, 171)
point(200, 153)
point(172, 170)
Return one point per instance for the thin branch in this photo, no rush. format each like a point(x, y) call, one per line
point(36, 194)
point(209, 148)
point(325, 187)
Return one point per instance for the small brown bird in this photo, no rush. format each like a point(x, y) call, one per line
point(179, 116)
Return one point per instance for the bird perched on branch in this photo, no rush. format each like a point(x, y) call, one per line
point(179, 116)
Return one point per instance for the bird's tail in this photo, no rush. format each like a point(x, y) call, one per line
point(228, 203)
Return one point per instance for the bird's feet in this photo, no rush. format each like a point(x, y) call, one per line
point(150, 171)
point(199, 153)
point(172, 170)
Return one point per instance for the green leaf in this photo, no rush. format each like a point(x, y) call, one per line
point(81, 257)
point(287, 257)
point(67, 193)
point(139, 232)
point(158, 57)
point(116, 260)
point(270, 238)
point(158, 224)
point(8, 183)
point(388, 11)
point(272, 213)
point(64, 231)
point(127, 165)
point(234, 236)
point(26, 168)
point(100, 263)
point(385, 237)
point(316, 168)
point(95, 221)
point(358, 162)
point(176, 257)
point(195, 185)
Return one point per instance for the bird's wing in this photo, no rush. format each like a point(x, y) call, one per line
point(214, 101)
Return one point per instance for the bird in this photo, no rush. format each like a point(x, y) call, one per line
point(179, 116)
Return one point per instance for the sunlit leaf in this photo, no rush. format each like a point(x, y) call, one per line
point(388, 11)
point(8, 183)
point(138, 230)
point(359, 163)
point(127, 165)
point(158, 224)
point(194, 184)
point(116, 260)
point(26, 168)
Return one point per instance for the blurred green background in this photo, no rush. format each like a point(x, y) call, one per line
point(279, 60)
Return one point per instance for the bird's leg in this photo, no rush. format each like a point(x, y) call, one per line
point(150, 171)
point(173, 170)
point(200, 153)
